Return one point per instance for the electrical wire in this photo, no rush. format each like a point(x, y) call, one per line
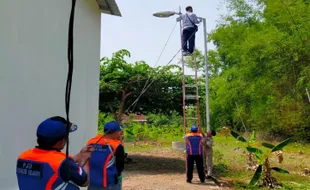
point(144, 89)
point(161, 53)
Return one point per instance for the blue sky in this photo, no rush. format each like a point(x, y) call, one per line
point(145, 35)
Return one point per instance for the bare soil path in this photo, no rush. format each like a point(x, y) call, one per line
point(161, 169)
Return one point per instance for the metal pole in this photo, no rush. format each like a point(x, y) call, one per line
point(206, 72)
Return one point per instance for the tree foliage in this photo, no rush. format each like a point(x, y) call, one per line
point(121, 83)
point(260, 69)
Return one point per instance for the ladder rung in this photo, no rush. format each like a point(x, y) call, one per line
point(190, 107)
point(190, 75)
point(190, 86)
point(191, 118)
point(191, 97)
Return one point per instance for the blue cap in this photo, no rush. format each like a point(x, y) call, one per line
point(194, 128)
point(54, 128)
point(112, 127)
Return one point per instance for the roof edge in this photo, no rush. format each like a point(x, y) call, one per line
point(109, 7)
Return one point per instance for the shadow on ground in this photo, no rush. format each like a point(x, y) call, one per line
point(172, 163)
point(155, 165)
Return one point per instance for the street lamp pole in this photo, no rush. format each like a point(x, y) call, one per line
point(205, 37)
point(164, 14)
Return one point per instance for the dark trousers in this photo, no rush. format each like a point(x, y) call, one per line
point(190, 167)
point(188, 40)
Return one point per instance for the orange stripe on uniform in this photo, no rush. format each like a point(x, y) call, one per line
point(51, 157)
point(51, 181)
point(190, 146)
point(105, 171)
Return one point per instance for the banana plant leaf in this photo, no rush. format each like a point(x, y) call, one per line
point(254, 150)
point(259, 159)
point(280, 170)
point(257, 175)
point(281, 145)
point(234, 134)
point(237, 136)
point(253, 137)
point(240, 138)
point(268, 145)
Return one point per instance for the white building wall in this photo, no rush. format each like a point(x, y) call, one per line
point(33, 69)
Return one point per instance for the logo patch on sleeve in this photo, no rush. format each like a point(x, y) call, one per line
point(80, 171)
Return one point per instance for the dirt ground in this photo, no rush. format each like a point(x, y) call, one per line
point(161, 169)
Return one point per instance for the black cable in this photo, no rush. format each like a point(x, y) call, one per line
point(146, 87)
point(70, 72)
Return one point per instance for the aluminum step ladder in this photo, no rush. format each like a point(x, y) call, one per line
point(190, 96)
point(190, 92)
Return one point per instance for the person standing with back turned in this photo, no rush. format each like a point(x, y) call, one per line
point(194, 153)
point(107, 160)
point(46, 167)
point(189, 29)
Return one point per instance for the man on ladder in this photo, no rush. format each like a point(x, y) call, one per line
point(189, 29)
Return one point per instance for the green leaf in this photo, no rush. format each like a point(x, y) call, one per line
point(234, 134)
point(237, 136)
point(281, 145)
point(258, 158)
point(240, 138)
point(256, 175)
point(268, 145)
point(253, 137)
point(280, 170)
point(254, 150)
point(129, 132)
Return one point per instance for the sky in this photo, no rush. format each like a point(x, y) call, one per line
point(145, 35)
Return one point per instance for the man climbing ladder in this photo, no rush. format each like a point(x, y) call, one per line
point(189, 29)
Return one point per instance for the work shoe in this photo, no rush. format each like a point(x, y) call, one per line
point(188, 181)
point(185, 53)
point(189, 54)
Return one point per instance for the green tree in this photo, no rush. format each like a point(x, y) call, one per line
point(121, 83)
point(119, 80)
point(259, 71)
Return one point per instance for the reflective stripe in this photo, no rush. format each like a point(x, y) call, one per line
point(65, 186)
point(60, 187)
point(111, 162)
point(190, 146)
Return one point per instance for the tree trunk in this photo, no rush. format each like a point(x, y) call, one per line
point(122, 105)
point(268, 180)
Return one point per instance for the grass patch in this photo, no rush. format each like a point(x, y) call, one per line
point(146, 146)
point(230, 162)
point(296, 159)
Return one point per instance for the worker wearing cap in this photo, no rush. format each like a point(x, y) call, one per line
point(107, 161)
point(208, 152)
point(194, 151)
point(45, 166)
